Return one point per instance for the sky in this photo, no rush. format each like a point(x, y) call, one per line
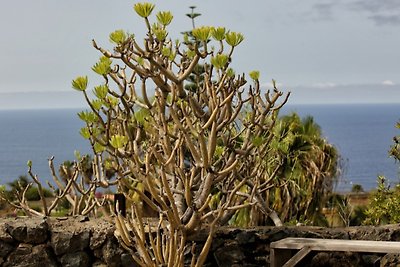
point(323, 51)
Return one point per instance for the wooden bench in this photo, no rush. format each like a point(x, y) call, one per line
point(283, 252)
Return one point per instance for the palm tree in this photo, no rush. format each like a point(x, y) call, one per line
point(306, 167)
point(298, 176)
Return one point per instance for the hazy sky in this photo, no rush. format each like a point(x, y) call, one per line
point(325, 51)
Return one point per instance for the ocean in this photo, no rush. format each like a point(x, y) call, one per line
point(362, 133)
point(37, 135)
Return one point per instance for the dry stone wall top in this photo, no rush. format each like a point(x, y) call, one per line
point(78, 241)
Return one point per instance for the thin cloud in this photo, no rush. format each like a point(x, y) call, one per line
point(325, 85)
point(382, 12)
point(376, 6)
point(324, 11)
point(346, 94)
point(269, 85)
point(388, 82)
point(381, 20)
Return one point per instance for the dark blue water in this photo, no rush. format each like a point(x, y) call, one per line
point(37, 135)
point(362, 133)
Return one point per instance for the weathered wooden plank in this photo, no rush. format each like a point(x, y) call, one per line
point(338, 245)
point(297, 257)
point(280, 251)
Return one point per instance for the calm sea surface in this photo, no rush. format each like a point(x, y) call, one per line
point(37, 135)
point(362, 133)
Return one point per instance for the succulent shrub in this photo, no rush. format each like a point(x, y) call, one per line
point(188, 153)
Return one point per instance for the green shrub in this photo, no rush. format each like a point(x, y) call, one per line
point(63, 204)
point(358, 216)
point(32, 194)
point(61, 213)
point(357, 188)
point(384, 206)
point(37, 208)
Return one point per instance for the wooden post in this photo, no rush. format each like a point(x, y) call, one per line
point(120, 199)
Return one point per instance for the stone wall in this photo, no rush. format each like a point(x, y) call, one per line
point(60, 242)
point(82, 242)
